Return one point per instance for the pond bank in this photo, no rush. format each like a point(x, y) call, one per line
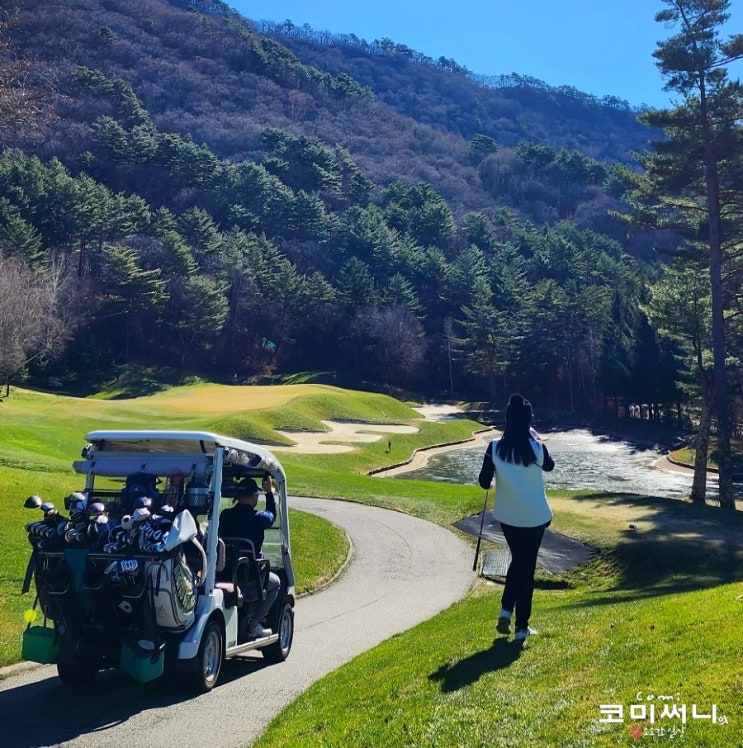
point(420, 457)
point(661, 438)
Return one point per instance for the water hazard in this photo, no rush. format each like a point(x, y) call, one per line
point(583, 460)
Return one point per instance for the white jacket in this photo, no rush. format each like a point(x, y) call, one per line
point(520, 498)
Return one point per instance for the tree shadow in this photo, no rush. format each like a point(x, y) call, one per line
point(469, 670)
point(672, 546)
point(638, 442)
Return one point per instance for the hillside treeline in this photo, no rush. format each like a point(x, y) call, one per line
point(174, 222)
point(242, 268)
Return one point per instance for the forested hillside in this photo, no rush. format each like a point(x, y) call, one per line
point(233, 201)
point(441, 93)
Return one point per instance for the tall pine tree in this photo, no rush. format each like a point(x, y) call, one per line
point(691, 181)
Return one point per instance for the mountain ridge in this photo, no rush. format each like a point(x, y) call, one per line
point(216, 78)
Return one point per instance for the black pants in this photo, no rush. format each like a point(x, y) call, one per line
point(523, 543)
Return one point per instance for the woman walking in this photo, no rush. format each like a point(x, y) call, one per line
point(517, 460)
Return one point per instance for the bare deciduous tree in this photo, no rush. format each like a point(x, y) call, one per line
point(37, 316)
point(22, 109)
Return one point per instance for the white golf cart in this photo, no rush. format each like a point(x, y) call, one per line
point(137, 577)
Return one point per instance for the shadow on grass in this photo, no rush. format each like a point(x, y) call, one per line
point(671, 546)
point(127, 382)
point(543, 583)
point(472, 668)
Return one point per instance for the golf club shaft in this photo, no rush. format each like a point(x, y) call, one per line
point(479, 535)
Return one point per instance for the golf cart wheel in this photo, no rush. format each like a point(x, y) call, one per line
point(206, 665)
point(280, 651)
point(75, 668)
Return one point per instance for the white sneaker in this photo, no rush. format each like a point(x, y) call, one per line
point(521, 634)
point(256, 630)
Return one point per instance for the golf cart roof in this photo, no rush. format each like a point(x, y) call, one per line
point(116, 453)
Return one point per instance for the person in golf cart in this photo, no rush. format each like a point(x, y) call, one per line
point(243, 521)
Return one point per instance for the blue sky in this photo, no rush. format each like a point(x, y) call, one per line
point(602, 47)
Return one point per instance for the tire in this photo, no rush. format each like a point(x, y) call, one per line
point(279, 651)
point(205, 667)
point(74, 667)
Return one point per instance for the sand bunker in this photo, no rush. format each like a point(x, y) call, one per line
point(341, 435)
point(336, 438)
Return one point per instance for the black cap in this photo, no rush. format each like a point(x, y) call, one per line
point(518, 412)
point(246, 487)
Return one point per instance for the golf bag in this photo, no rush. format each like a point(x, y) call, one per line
point(172, 591)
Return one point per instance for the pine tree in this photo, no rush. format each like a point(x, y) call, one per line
point(691, 181)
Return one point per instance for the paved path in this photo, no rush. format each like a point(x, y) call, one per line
point(403, 571)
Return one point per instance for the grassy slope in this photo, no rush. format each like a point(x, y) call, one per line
point(659, 613)
point(448, 682)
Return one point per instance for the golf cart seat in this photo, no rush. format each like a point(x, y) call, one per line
point(240, 574)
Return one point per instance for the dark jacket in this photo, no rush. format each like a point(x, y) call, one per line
point(243, 521)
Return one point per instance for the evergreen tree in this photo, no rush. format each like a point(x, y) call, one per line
point(18, 237)
point(355, 285)
point(489, 340)
point(679, 309)
point(691, 180)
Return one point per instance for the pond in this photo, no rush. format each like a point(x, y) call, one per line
point(583, 460)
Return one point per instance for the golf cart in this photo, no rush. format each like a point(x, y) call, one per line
point(137, 577)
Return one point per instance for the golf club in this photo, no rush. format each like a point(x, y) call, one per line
point(479, 535)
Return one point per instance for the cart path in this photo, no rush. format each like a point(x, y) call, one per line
point(403, 571)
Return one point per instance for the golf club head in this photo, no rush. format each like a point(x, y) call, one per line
point(140, 514)
point(33, 502)
point(76, 501)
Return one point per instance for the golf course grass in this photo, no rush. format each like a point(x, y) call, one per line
point(638, 645)
point(45, 432)
point(654, 622)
